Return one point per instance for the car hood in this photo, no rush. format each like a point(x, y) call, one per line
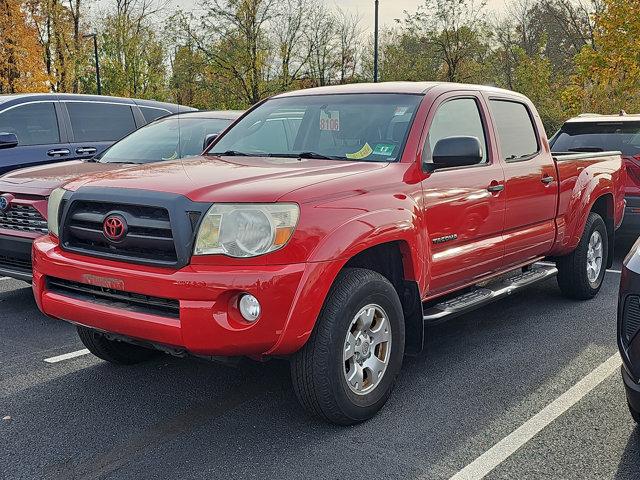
point(42, 180)
point(237, 179)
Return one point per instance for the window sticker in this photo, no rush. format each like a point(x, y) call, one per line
point(400, 111)
point(330, 120)
point(360, 154)
point(386, 149)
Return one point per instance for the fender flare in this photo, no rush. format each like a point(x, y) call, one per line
point(330, 256)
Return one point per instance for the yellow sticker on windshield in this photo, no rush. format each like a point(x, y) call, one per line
point(360, 154)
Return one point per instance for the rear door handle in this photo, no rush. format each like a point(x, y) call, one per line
point(547, 179)
point(58, 151)
point(86, 150)
point(495, 188)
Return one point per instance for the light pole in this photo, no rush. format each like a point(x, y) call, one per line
point(95, 54)
point(375, 46)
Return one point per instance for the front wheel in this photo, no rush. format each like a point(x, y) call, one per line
point(347, 369)
point(580, 273)
point(114, 351)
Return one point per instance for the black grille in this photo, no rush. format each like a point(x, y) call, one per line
point(149, 236)
point(631, 318)
point(24, 218)
point(14, 263)
point(163, 307)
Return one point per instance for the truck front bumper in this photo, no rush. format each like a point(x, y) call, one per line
point(193, 309)
point(15, 257)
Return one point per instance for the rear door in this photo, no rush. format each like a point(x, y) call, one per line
point(40, 136)
point(464, 206)
point(97, 125)
point(531, 189)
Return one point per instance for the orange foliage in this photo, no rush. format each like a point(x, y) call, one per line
point(21, 63)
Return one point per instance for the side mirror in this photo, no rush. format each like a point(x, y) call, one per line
point(8, 140)
point(208, 140)
point(456, 152)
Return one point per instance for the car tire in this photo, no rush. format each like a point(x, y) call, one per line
point(338, 378)
point(577, 276)
point(634, 413)
point(114, 351)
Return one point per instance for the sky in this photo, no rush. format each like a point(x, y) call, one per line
point(392, 9)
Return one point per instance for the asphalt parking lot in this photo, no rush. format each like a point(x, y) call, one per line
point(482, 377)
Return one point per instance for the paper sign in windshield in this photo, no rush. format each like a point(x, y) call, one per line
point(364, 152)
point(330, 120)
point(384, 149)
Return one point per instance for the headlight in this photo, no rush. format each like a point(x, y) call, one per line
point(246, 230)
point(53, 210)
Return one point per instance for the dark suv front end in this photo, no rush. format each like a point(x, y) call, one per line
point(629, 328)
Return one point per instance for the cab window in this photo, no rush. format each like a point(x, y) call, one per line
point(458, 117)
point(516, 133)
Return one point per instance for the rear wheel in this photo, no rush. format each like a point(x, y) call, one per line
point(580, 273)
point(114, 351)
point(347, 369)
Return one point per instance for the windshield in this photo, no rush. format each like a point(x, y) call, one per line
point(165, 139)
point(364, 127)
point(599, 137)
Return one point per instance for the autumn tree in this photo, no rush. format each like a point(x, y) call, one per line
point(607, 75)
point(21, 63)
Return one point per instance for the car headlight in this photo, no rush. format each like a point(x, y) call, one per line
point(53, 210)
point(246, 230)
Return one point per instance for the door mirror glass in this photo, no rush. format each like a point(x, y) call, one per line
point(457, 151)
point(208, 140)
point(8, 140)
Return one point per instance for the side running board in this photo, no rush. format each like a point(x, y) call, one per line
point(482, 295)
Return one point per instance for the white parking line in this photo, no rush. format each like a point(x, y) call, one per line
point(506, 447)
point(67, 356)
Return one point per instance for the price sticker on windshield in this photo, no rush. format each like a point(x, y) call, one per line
point(330, 120)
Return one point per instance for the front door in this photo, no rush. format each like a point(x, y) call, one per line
point(464, 206)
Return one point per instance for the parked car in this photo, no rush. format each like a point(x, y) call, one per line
point(44, 128)
point(331, 226)
point(629, 327)
point(24, 192)
point(597, 133)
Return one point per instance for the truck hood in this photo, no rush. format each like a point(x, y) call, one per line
point(42, 180)
point(240, 179)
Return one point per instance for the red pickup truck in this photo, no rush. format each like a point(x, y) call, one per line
point(330, 226)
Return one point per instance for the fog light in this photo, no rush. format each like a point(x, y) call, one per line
point(249, 307)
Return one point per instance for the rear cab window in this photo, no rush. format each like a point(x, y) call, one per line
point(623, 136)
point(100, 122)
point(515, 129)
point(33, 123)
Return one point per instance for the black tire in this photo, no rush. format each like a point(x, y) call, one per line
point(114, 351)
point(634, 413)
point(572, 268)
point(317, 370)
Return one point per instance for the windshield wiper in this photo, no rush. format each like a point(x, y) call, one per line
point(230, 153)
point(310, 155)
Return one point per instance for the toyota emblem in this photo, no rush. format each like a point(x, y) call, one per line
point(5, 202)
point(114, 228)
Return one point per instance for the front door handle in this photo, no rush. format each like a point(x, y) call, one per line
point(58, 151)
point(547, 179)
point(494, 188)
point(86, 150)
